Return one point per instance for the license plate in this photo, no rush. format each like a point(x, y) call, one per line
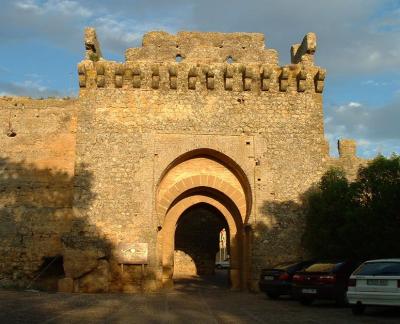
point(268, 278)
point(309, 291)
point(377, 282)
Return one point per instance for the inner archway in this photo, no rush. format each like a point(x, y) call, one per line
point(197, 241)
point(203, 185)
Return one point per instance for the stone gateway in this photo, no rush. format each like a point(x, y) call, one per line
point(129, 184)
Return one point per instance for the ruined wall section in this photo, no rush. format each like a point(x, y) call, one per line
point(37, 153)
point(347, 160)
point(274, 112)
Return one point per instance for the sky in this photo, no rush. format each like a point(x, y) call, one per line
point(41, 41)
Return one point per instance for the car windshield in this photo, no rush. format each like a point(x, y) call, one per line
point(323, 267)
point(379, 269)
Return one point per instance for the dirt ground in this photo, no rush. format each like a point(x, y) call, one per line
point(191, 301)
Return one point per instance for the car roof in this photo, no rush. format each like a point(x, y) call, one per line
point(383, 260)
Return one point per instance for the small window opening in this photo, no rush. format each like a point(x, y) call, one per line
point(52, 266)
point(11, 133)
point(247, 143)
point(50, 271)
point(178, 58)
point(229, 60)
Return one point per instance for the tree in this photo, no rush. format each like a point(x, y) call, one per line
point(326, 206)
point(377, 200)
point(359, 219)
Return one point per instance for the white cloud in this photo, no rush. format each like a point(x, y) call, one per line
point(376, 83)
point(63, 7)
point(117, 35)
point(357, 36)
point(27, 88)
point(354, 104)
point(27, 5)
point(376, 129)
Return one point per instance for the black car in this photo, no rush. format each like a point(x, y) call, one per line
point(323, 280)
point(277, 280)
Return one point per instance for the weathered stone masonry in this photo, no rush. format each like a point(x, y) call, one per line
point(187, 119)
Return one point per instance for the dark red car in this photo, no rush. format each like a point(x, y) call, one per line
point(323, 280)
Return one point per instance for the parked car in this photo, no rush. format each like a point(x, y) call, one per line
point(323, 280)
point(223, 264)
point(375, 282)
point(277, 281)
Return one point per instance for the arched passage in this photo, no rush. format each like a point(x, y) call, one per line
point(202, 177)
point(197, 238)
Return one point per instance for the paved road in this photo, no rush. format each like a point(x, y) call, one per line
point(190, 302)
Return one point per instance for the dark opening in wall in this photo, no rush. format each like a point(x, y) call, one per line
point(50, 271)
point(197, 236)
point(11, 133)
point(178, 58)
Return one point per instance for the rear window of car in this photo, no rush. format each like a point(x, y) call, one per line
point(323, 267)
point(284, 266)
point(379, 269)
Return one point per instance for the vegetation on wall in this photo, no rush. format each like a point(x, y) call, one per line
point(359, 219)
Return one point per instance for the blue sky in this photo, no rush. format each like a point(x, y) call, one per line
point(358, 43)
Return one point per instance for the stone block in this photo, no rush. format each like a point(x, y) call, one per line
point(96, 281)
point(79, 262)
point(65, 285)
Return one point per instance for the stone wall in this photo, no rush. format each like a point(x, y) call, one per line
point(37, 153)
point(348, 159)
point(81, 176)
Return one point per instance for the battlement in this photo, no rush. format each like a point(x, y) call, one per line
point(191, 76)
point(347, 148)
point(203, 61)
point(199, 47)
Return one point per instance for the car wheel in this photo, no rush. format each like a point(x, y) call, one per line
point(273, 295)
point(358, 309)
point(306, 301)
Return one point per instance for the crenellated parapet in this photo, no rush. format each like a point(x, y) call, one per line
point(304, 53)
point(204, 62)
point(348, 159)
point(207, 77)
point(203, 47)
point(92, 46)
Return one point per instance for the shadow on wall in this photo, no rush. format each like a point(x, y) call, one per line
point(277, 237)
point(42, 240)
point(35, 214)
